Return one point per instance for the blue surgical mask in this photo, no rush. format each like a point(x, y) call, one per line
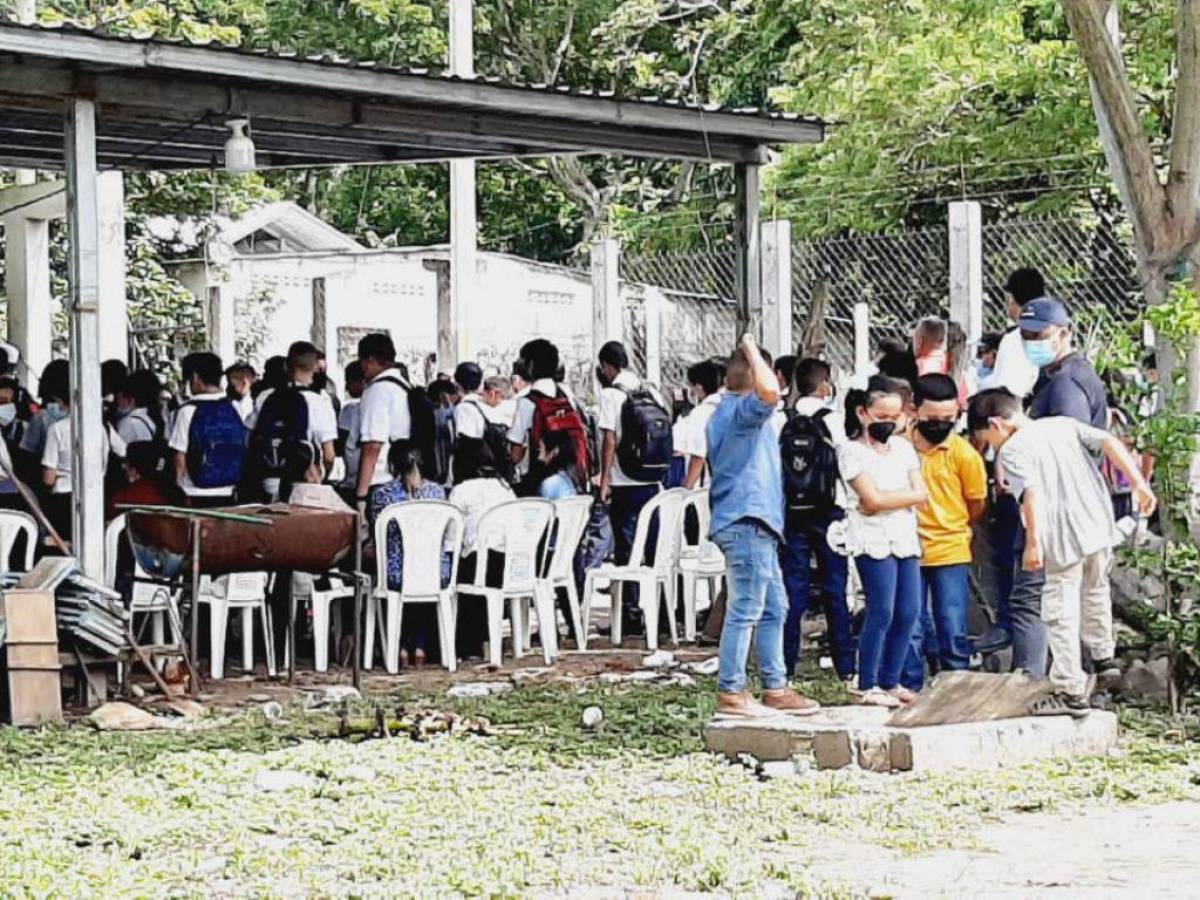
point(55, 411)
point(8, 412)
point(1040, 353)
point(983, 370)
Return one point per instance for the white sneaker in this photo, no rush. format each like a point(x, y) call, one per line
point(879, 697)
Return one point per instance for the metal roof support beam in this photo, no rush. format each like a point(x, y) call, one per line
point(87, 423)
point(748, 241)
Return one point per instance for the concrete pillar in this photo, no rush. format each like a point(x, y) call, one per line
point(464, 226)
point(84, 267)
point(652, 307)
point(966, 268)
point(114, 313)
point(27, 262)
point(748, 240)
point(607, 313)
point(777, 287)
point(862, 336)
point(222, 330)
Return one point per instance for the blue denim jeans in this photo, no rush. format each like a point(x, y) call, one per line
point(756, 600)
point(940, 635)
point(802, 542)
point(893, 593)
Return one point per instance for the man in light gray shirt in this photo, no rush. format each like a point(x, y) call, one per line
point(1047, 465)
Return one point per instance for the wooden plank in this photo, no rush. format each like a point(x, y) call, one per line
point(955, 697)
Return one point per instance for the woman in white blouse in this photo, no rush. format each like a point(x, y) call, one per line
point(883, 473)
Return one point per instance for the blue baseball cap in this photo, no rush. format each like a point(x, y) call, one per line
point(1040, 314)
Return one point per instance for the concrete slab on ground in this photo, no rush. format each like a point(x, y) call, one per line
point(860, 736)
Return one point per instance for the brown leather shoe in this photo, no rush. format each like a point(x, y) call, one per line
point(740, 704)
point(786, 700)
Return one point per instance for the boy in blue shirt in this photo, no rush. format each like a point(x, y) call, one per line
point(747, 524)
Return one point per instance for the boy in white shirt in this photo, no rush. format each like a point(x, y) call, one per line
point(383, 413)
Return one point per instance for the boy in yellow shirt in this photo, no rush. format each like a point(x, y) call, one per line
point(957, 484)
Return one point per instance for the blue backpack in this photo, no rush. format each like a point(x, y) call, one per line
point(216, 445)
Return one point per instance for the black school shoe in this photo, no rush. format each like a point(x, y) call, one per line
point(1060, 704)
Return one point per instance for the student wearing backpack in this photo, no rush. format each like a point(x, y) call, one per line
point(289, 416)
point(956, 482)
point(546, 408)
point(705, 380)
point(636, 447)
point(384, 416)
point(207, 436)
point(808, 452)
point(476, 422)
point(138, 417)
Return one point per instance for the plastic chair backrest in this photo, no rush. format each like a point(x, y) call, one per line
point(12, 523)
point(423, 526)
point(246, 586)
point(571, 516)
point(699, 501)
point(668, 506)
point(519, 529)
point(112, 544)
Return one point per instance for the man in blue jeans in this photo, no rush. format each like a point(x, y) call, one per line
point(956, 482)
point(810, 492)
point(747, 524)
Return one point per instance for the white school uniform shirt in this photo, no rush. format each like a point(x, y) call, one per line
point(609, 419)
point(691, 438)
point(1013, 370)
point(383, 418)
point(246, 407)
point(57, 453)
point(136, 426)
point(890, 533)
point(178, 441)
point(348, 422)
point(522, 422)
point(474, 498)
point(472, 416)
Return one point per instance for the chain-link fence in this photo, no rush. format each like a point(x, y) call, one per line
point(1087, 262)
point(903, 277)
point(699, 315)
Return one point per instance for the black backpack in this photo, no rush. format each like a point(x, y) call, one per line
point(281, 428)
point(423, 434)
point(646, 444)
point(809, 462)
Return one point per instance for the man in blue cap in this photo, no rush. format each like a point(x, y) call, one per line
point(1067, 384)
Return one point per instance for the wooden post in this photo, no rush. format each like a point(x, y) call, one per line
point(87, 452)
point(607, 324)
point(777, 287)
point(748, 238)
point(464, 226)
point(966, 268)
point(652, 307)
point(862, 336)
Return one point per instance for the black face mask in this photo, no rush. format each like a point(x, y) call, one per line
point(320, 381)
point(935, 432)
point(602, 378)
point(881, 431)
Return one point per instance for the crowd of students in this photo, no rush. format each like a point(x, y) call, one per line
point(891, 478)
point(927, 450)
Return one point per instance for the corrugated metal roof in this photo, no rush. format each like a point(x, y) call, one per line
point(340, 62)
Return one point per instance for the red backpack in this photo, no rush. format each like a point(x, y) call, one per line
point(558, 413)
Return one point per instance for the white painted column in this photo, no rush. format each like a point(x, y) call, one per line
point(652, 308)
point(966, 268)
point(27, 262)
point(464, 226)
point(862, 336)
point(607, 318)
point(114, 314)
point(777, 287)
point(747, 238)
point(222, 333)
point(83, 219)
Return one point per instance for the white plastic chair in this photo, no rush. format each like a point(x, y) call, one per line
point(159, 601)
point(655, 580)
point(246, 591)
point(517, 529)
point(571, 516)
point(341, 587)
point(12, 524)
point(428, 528)
point(701, 561)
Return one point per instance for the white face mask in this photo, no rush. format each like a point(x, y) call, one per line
point(55, 411)
point(8, 412)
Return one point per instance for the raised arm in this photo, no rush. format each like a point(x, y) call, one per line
point(764, 382)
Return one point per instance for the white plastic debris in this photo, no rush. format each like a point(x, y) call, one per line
point(474, 690)
point(659, 659)
point(592, 716)
point(272, 711)
point(709, 666)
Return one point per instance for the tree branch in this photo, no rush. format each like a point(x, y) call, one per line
point(1185, 124)
point(1137, 180)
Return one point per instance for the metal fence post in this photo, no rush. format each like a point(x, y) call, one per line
point(966, 268)
point(777, 287)
point(606, 294)
point(862, 336)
